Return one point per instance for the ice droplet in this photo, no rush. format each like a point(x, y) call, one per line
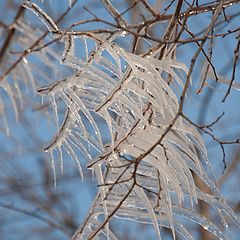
point(124, 33)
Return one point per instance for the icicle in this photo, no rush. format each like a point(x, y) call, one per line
point(80, 146)
point(42, 100)
point(133, 107)
point(192, 215)
point(73, 156)
point(53, 168)
point(5, 122)
point(10, 94)
point(104, 113)
point(29, 71)
point(54, 106)
point(19, 93)
point(86, 113)
point(219, 203)
point(139, 191)
point(211, 75)
point(75, 113)
point(49, 23)
point(68, 53)
point(115, 56)
point(86, 48)
point(103, 189)
point(60, 157)
point(225, 224)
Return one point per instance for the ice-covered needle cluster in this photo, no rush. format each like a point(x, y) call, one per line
point(147, 170)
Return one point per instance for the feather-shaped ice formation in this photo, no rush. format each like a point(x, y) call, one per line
point(147, 180)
